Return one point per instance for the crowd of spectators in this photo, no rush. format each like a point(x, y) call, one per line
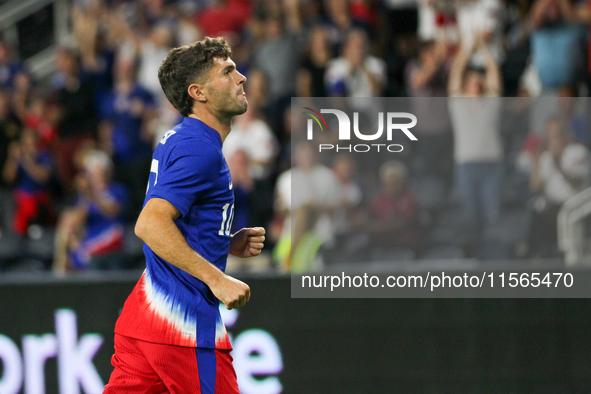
point(75, 148)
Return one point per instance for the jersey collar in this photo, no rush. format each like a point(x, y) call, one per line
point(197, 126)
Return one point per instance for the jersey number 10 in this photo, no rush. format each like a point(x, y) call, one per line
point(227, 219)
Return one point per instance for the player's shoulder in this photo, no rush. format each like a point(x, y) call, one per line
point(176, 144)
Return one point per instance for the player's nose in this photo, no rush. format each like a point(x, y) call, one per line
point(241, 78)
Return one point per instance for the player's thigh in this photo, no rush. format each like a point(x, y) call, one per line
point(133, 374)
point(175, 365)
point(226, 382)
point(192, 371)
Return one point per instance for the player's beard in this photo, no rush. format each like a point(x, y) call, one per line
point(228, 104)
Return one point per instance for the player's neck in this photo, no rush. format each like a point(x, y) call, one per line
point(223, 127)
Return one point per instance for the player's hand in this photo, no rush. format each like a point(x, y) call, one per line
point(247, 242)
point(232, 292)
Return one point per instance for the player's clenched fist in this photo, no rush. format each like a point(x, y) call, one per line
point(247, 242)
point(232, 292)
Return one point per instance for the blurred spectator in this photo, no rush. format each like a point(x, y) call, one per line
point(243, 185)
point(394, 211)
point(93, 228)
point(559, 173)
point(346, 217)
point(316, 186)
point(9, 131)
point(284, 157)
point(365, 12)
point(517, 66)
point(437, 21)
point(307, 194)
point(258, 90)
point(125, 112)
point(264, 108)
point(252, 135)
point(481, 20)
point(343, 167)
point(150, 49)
point(42, 116)
point(427, 77)
point(478, 147)
point(9, 126)
point(9, 66)
point(224, 18)
point(29, 168)
point(310, 79)
point(77, 121)
point(356, 73)
point(22, 91)
point(96, 45)
point(345, 15)
point(575, 112)
point(280, 44)
point(557, 44)
point(187, 32)
point(338, 19)
point(580, 12)
point(150, 13)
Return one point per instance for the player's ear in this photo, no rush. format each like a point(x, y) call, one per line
point(197, 93)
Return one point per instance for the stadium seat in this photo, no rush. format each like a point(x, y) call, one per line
point(27, 265)
point(40, 243)
point(429, 192)
point(9, 248)
point(448, 230)
point(392, 255)
point(511, 227)
point(494, 249)
point(443, 253)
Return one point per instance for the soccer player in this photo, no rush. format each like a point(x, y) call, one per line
point(170, 336)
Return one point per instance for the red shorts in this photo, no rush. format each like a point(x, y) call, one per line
point(144, 367)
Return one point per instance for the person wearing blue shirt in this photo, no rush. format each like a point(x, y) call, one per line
point(29, 168)
point(170, 336)
point(92, 232)
point(125, 111)
point(9, 66)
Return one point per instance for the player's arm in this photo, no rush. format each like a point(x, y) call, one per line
point(156, 227)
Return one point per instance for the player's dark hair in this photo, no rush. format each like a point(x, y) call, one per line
point(186, 65)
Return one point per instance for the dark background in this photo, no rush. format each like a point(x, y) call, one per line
point(360, 345)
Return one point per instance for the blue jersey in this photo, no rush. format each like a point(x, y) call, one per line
point(168, 305)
